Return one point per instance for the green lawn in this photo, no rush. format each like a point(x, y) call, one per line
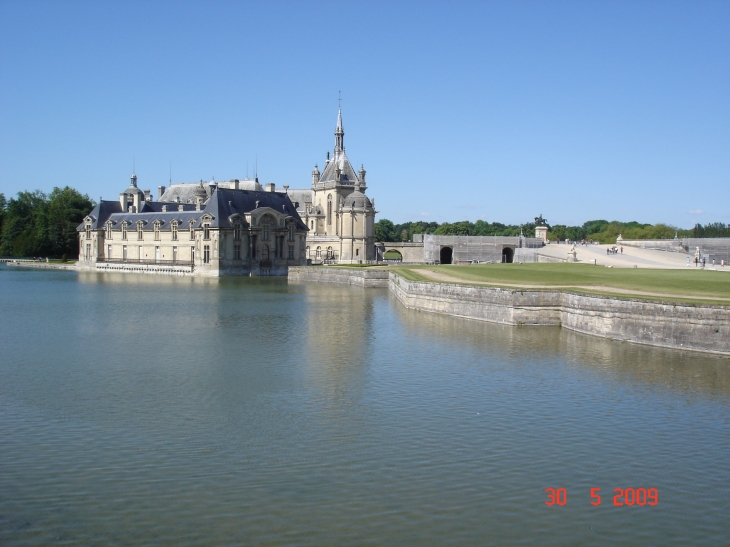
point(683, 285)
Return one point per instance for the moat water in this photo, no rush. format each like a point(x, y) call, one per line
point(143, 410)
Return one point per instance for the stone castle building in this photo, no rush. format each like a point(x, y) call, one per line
point(232, 228)
point(338, 214)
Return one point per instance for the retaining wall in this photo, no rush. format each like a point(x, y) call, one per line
point(364, 277)
point(678, 326)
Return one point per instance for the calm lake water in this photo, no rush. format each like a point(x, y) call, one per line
point(143, 410)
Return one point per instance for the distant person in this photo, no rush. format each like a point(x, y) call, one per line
point(622, 250)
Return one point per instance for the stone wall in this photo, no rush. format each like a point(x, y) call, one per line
point(678, 326)
point(364, 277)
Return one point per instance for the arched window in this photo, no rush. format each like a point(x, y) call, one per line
point(308, 251)
point(140, 234)
point(173, 229)
point(329, 253)
point(319, 252)
point(264, 252)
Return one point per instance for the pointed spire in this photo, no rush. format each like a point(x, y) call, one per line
point(339, 135)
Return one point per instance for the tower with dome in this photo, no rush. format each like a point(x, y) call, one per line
point(338, 214)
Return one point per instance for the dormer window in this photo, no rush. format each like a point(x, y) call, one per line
point(88, 231)
point(237, 232)
point(140, 233)
point(173, 229)
point(291, 232)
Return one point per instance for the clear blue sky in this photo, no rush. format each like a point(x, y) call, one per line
point(459, 110)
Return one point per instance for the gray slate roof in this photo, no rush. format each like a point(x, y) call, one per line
point(340, 160)
point(222, 204)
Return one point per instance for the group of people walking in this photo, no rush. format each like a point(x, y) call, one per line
point(614, 250)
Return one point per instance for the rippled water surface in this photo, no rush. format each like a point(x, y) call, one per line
point(143, 410)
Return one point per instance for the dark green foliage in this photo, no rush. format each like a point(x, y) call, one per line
point(714, 229)
point(602, 231)
point(384, 230)
point(34, 224)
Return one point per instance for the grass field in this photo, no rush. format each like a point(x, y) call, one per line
point(691, 285)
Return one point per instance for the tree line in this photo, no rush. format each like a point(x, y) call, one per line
point(35, 224)
point(602, 231)
point(39, 224)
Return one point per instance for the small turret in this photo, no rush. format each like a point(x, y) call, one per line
point(315, 175)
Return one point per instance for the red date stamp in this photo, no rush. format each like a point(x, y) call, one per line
point(622, 497)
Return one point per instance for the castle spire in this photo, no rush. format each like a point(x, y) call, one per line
point(339, 134)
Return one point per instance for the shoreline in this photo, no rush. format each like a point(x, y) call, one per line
point(684, 326)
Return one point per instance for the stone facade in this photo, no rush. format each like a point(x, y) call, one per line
point(223, 231)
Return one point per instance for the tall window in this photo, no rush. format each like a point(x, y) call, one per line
point(192, 255)
point(291, 251)
point(124, 231)
point(88, 251)
point(291, 233)
point(88, 231)
point(329, 210)
point(206, 231)
point(206, 254)
point(192, 230)
point(109, 230)
point(237, 252)
point(173, 229)
point(108, 252)
point(237, 232)
point(265, 231)
point(157, 231)
point(140, 234)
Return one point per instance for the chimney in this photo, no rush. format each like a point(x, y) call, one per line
point(160, 191)
point(270, 187)
point(235, 184)
point(180, 207)
point(123, 200)
point(147, 195)
point(164, 208)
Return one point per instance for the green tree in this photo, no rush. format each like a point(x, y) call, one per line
point(25, 225)
point(3, 204)
point(66, 210)
point(384, 230)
